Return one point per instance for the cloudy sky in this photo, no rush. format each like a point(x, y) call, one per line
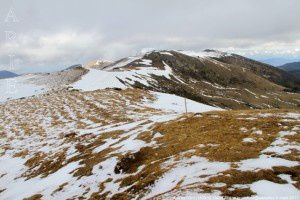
point(51, 35)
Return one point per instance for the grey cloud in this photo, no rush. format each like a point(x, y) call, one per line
point(54, 34)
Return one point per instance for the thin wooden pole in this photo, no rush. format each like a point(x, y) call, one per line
point(185, 105)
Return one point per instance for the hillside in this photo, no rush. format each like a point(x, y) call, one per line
point(290, 66)
point(293, 69)
point(162, 125)
point(126, 144)
point(278, 61)
point(210, 77)
point(7, 74)
point(203, 77)
point(33, 84)
point(268, 72)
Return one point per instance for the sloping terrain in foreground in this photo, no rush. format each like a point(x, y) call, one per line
point(126, 144)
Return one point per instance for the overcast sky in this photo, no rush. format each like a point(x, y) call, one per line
point(53, 34)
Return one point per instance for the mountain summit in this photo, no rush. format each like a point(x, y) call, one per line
point(211, 77)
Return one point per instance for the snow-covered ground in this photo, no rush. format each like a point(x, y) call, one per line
point(45, 137)
point(73, 143)
point(34, 84)
point(205, 54)
point(175, 103)
point(101, 79)
point(69, 130)
point(14, 88)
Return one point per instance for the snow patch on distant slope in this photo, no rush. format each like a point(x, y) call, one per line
point(205, 54)
point(101, 79)
point(171, 102)
point(19, 87)
point(123, 62)
point(98, 79)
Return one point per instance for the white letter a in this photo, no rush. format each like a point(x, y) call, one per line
point(11, 16)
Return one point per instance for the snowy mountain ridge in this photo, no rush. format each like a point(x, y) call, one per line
point(162, 125)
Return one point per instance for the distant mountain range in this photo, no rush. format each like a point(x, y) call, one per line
point(278, 61)
point(7, 74)
point(292, 68)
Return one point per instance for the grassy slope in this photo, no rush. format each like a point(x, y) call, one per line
point(78, 129)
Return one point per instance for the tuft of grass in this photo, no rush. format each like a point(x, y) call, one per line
point(34, 197)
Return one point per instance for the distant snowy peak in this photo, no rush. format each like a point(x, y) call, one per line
point(142, 59)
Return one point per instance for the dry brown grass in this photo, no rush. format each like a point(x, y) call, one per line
point(218, 132)
point(60, 188)
point(2, 190)
point(233, 176)
point(293, 171)
point(22, 153)
point(222, 129)
point(223, 132)
point(42, 164)
point(34, 197)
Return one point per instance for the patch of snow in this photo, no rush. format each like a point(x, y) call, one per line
point(123, 62)
point(248, 118)
point(295, 116)
point(285, 133)
point(270, 190)
point(145, 62)
point(101, 79)
point(265, 115)
point(265, 162)
point(18, 87)
point(287, 178)
point(187, 170)
point(166, 53)
point(257, 132)
point(205, 54)
point(157, 135)
point(98, 79)
point(20, 188)
point(218, 185)
point(252, 93)
point(243, 129)
point(263, 96)
point(249, 140)
point(193, 195)
point(171, 102)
